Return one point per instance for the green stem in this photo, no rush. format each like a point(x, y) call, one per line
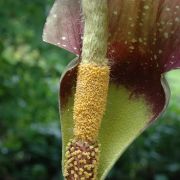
point(95, 31)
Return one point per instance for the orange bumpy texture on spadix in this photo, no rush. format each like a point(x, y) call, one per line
point(90, 100)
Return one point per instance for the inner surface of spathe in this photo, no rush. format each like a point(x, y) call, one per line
point(124, 119)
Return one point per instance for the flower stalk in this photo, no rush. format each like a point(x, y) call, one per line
point(95, 32)
point(82, 153)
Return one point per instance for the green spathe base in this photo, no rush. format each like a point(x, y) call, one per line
point(123, 121)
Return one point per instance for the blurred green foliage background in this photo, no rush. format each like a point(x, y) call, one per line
point(30, 139)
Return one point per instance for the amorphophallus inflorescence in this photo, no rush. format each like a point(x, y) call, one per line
point(115, 87)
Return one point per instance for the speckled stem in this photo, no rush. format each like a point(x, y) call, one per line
point(95, 31)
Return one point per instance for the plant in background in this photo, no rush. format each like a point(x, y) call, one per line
point(115, 87)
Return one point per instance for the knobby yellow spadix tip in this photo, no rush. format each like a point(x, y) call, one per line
point(81, 160)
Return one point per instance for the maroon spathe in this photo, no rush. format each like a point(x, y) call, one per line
point(144, 43)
